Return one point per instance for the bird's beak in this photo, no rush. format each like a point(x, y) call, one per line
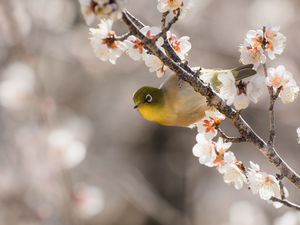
point(137, 105)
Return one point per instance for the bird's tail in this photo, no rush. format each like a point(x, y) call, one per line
point(244, 71)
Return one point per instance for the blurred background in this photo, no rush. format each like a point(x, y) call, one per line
point(74, 151)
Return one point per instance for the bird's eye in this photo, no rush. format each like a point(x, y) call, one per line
point(148, 98)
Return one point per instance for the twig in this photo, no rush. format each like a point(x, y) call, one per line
point(167, 28)
point(286, 203)
point(231, 139)
point(271, 112)
point(214, 99)
point(138, 23)
point(123, 37)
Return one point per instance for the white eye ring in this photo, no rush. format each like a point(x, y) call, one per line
point(148, 98)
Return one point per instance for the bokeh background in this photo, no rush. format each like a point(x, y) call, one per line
point(74, 151)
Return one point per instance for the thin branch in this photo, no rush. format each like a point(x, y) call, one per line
point(138, 23)
point(231, 139)
point(123, 37)
point(167, 28)
point(214, 99)
point(286, 203)
point(271, 112)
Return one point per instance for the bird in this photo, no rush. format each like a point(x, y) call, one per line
point(180, 105)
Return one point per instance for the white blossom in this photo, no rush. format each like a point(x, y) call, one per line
point(208, 123)
point(228, 91)
point(204, 150)
point(275, 40)
point(104, 44)
point(87, 11)
point(232, 172)
point(240, 93)
point(252, 54)
point(181, 45)
point(135, 48)
point(155, 64)
point(173, 5)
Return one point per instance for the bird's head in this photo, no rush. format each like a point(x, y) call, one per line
point(150, 102)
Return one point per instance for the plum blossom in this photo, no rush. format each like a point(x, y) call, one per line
point(264, 184)
point(240, 93)
point(228, 91)
point(204, 150)
point(155, 64)
point(274, 40)
point(252, 54)
point(289, 92)
point(208, 124)
point(135, 48)
point(174, 5)
point(222, 149)
point(101, 8)
point(233, 172)
point(279, 77)
point(181, 45)
point(104, 44)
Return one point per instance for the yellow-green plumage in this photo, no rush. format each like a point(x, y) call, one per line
point(172, 105)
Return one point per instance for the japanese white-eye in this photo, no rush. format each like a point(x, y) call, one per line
point(172, 105)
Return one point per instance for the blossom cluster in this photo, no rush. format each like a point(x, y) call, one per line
point(107, 47)
point(216, 154)
point(239, 93)
point(258, 41)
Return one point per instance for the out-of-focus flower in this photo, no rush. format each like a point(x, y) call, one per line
point(155, 64)
point(135, 48)
point(252, 54)
point(240, 93)
point(88, 200)
point(288, 218)
point(174, 5)
point(205, 150)
point(298, 133)
point(181, 46)
point(17, 88)
point(232, 171)
point(104, 44)
point(87, 9)
point(101, 8)
point(69, 151)
point(208, 124)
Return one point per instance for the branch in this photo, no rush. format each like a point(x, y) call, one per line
point(123, 37)
point(231, 139)
point(286, 203)
point(215, 100)
point(167, 28)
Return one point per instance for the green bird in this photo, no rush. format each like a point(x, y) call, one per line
point(172, 105)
